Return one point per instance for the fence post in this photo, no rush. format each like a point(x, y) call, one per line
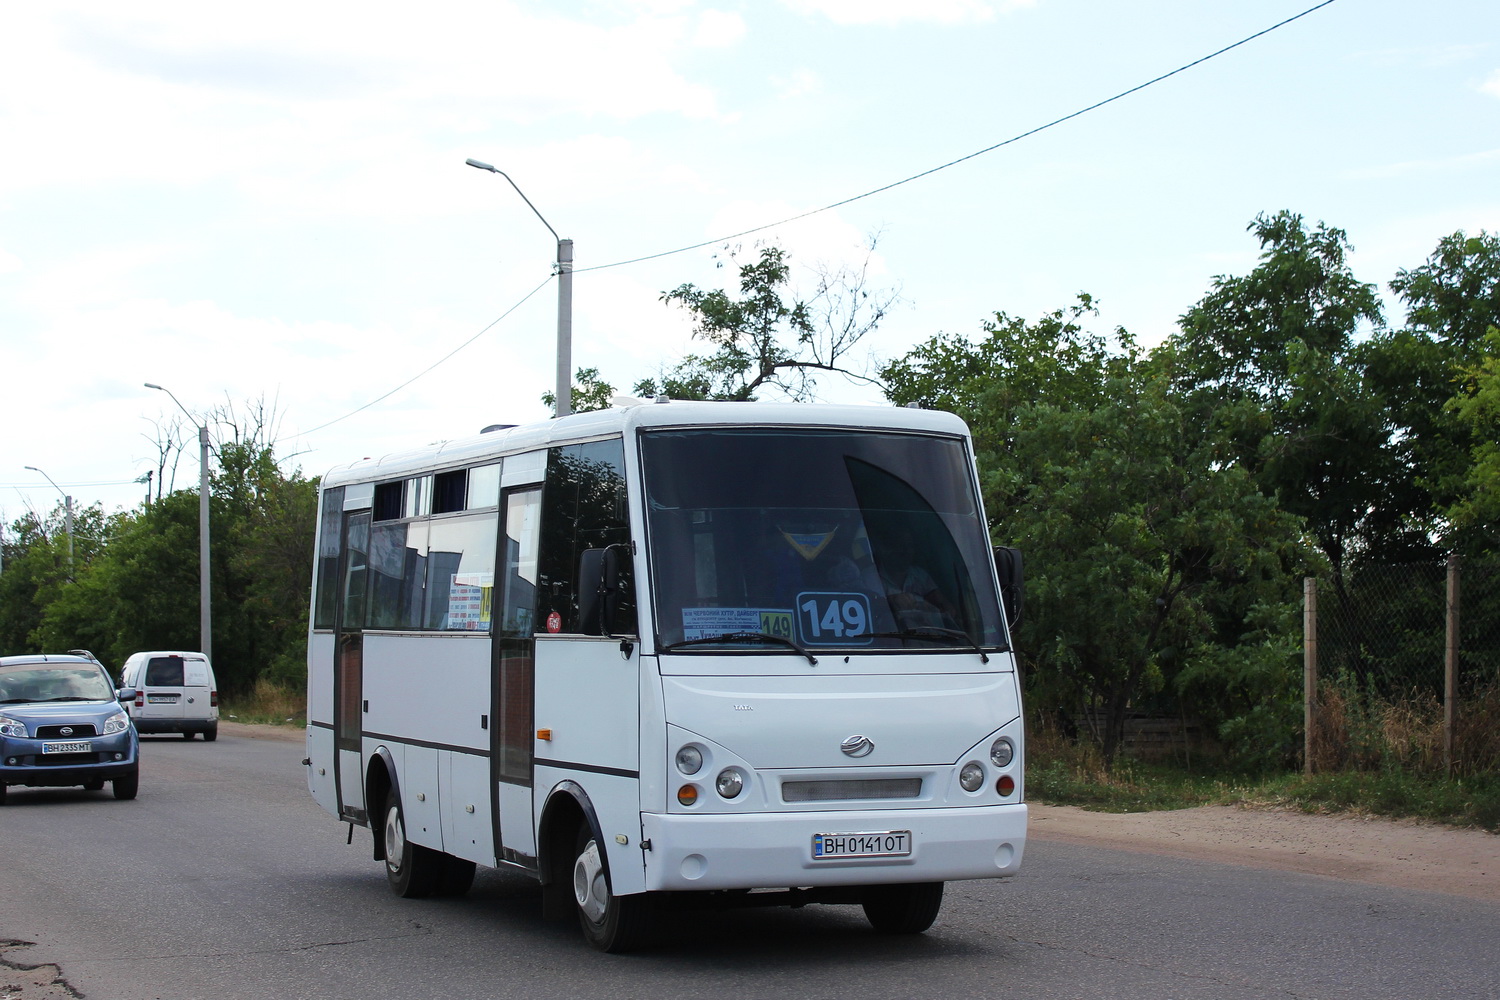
point(1450, 671)
point(1309, 669)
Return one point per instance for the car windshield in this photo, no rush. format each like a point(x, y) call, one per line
point(33, 682)
point(826, 538)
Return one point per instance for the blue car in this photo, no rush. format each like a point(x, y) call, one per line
point(61, 723)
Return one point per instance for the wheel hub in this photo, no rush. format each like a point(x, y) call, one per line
point(590, 889)
point(395, 839)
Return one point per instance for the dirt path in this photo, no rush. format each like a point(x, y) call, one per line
point(1399, 853)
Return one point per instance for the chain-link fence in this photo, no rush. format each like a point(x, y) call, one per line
point(1403, 668)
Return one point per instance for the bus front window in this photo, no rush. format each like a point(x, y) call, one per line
point(831, 539)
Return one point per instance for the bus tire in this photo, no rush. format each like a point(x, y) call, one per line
point(908, 908)
point(611, 923)
point(411, 869)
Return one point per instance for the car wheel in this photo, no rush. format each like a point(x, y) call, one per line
point(411, 869)
point(93, 786)
point(126, 785)
point(211, 733)
point(903, 909)
point(610, 923)
point(2, 795)
point(188, 735)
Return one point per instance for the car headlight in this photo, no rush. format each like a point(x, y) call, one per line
point(10, 727)
point(1002, 752)
point(117, 723)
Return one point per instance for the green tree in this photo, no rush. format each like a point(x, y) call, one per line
point(590, 393)
point(1265, 365)
point(1156, 575)
point(765, 340)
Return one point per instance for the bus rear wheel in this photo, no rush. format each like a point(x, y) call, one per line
point(412, 870)
point(903, 909)
point(610, 923)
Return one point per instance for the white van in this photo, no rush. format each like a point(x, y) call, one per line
point(175, 693)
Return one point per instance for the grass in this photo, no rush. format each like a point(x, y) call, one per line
point(268, 704)
point(1063, 773)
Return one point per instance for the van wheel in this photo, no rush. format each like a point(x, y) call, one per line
point(411, 869)
point(126, 785)
point(610, 923)
point(211, 733)
point(903, 909)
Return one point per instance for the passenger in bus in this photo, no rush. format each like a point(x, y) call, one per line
point(914, 596)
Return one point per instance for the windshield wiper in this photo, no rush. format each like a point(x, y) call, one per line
point(68, 697)
point(935, 634)
point(779, 640)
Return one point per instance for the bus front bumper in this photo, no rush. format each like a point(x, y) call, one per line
point(773, 851)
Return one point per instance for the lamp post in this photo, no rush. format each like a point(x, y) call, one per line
point(205, 590)
point(68, 506)
point(564, 273)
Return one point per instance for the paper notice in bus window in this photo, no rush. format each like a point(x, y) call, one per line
point(470, 599)
point(704, 623)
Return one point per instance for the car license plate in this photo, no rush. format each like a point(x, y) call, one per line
point(72, 746)
point(889, 844)
point(161, 699)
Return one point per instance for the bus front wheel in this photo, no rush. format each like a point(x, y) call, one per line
point(412, 870)
point(610, 923)
point(903, 909)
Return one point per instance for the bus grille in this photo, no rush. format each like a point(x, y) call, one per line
point(851, 788)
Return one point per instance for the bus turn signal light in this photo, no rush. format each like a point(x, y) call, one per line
point(687, 794)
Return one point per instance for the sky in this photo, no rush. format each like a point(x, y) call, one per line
point(266, 206)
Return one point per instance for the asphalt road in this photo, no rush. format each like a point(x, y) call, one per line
point(224, 880)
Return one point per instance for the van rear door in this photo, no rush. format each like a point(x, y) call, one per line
point(164, 684)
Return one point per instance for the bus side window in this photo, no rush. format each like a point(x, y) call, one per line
point(584, 507)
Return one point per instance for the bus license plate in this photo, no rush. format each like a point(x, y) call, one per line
point(890, 844)
point(72, 746)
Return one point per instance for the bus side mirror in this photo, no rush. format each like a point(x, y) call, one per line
point(1012, 583)
point(599, 588)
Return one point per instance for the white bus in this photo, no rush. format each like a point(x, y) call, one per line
point(673, 654)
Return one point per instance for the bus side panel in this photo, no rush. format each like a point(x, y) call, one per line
point(320, 770)
point(464, 779)
point(320, 678)
point(615, 802)
point(432, 689)
point(419, 796)
point(320, 721)
point(586, 695)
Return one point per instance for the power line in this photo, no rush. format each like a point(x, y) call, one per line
point(439, 361)
point(961, 159)
point(838, 204)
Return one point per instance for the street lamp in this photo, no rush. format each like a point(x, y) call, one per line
point(68, 505)
point(205, 592)
point(564, 272)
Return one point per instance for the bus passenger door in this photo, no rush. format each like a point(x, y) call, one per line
point(515, 666)
point(348, 678)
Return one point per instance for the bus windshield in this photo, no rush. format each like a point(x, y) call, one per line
point(827, 539)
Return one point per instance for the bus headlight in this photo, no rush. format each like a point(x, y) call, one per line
point(972, 776)
point(730, 783)
point(1002, 752)
point(689, 759)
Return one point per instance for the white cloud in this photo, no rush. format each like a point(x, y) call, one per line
point(890, 12)
point(718, 29)
point(1491, 85)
